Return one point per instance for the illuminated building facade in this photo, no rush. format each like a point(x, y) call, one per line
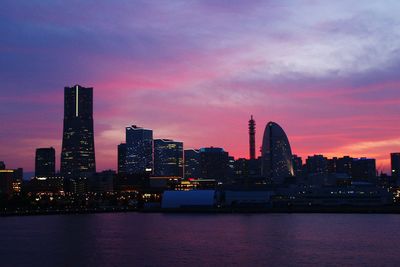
point(192, 163)
point(78, 154)
point(45, 162)
point(139, 150)
point(168, 158)
point(276, 154)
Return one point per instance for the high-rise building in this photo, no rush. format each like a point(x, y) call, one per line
point(252, 138)
point(192, 163)
point(78, 154)
point(168, 158)
point(139, 150)
point(45, 162)
point(214, 163)
point(2, 165)
point(276, 154)
point(122, 158)
point(395, 162)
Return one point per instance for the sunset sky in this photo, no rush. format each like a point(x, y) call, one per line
point(327, 71)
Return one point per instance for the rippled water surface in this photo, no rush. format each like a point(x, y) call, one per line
point(136, 239)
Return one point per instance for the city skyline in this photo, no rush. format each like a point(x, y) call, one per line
point(335, 96)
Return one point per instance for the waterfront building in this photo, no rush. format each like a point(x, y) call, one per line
point(78, 153)
point(344, 165)
point(45, 162)
point(122, 158)
point(317, 165)
point(168, 158)
point(192, 163)
point(6, 182)
point(102, 182)
point(297, 166)
point(276, 154)
point(139, 150)
point(214, 163)
point(395, 164)
point(45, 185)
point(364, 169)
point(317, 169)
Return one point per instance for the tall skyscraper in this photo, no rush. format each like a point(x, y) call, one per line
point(139, 150)
point(45, 162)
point(395, 162)
point(252, 137)
point(192, 163)
point(168, 158)
point(78, 155)
point(276, 154)
point(122, 158)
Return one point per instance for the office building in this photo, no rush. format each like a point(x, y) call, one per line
point(139, 150)
point(78, 154)
point(297, 166)
point(168, 158)
point(317, 165)
point(364, 169)
point(192, 163)
point(45, 162)
point(395, 163)
point(122, 158)
point(6, 182)
point(214, 163)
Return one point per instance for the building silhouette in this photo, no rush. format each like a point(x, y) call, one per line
point(214, 163)
point(317, 165)
point(122, 158)
point(395, 163)
point(192, 163)
point(252, 138)
point(45, 162)
point(139, 150)
point(78, 154)
point(364, 169)
point(168, 158)
point(297, 166)
point(317, 169)
point(6, 182)
point(276, 154)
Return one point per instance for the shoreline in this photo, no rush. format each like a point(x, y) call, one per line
point(193, 210)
